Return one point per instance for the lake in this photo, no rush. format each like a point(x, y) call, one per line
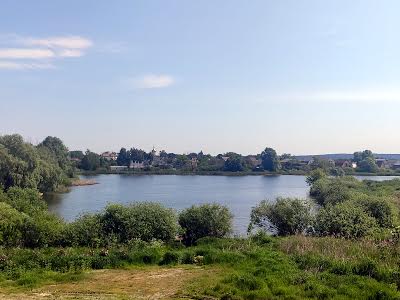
point(239, 193)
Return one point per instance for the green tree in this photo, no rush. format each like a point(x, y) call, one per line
point(123, 158)
point(315, 175)
point(234, 164)
point(360, 156)
point(207, 220)
point(344, 220)
point(367, 165)
point(270, 160)
point(91, 161)
point(286, 216)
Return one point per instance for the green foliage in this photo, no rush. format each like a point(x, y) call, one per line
point(145, 221)
point(90, 162)
point(44, 167)
point(11, 222)
point(42, 229)
point(25, 200)
point(84, 231)
point(344, 220)
point(286, 216)
point(270, 160)
point(367, 165)
point(212, 220)
point(315, 175)
point(379, 208)
point(360, 156)
point(333, 190)
point(123, 158)
point(233, 164)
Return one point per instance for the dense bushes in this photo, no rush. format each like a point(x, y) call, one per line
point(344, 220)
point(352, 208)
point(45, 167)
point(212, 220)
point(121, 224)
point(286, 216)
point(25, 221)
point(345, 207)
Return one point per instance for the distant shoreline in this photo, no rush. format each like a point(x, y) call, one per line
point(218, 173)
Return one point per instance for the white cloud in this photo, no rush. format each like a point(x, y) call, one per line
point(46, 50)
point(22, 53)
point(63, 42)
point(152, 81)
point(9, 65)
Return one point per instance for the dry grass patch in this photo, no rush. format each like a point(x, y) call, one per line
point(146, 283)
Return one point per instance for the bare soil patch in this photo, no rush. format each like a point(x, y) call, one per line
point(149, 283)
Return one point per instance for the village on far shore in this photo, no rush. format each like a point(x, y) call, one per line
point(139, 160)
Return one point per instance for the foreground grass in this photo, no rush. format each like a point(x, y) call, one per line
point(256, 268)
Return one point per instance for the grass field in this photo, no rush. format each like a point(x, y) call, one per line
point(295, 267)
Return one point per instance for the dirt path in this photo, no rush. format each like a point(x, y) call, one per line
point(152, 284)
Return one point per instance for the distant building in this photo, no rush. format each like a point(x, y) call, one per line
point(193, 163)
point(381, 163)
point(396, 165)
point(118, 168)
point(254, 162)
point(136, 165)
point(342, 163)
point(109, 155)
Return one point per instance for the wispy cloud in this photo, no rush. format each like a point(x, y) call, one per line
point(44, 50)
point(152, 81)
point(20, 53)
point(380, 94)
point(63, 42)
point(9, 65)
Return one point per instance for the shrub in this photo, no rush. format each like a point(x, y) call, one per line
point(42, 229)
point(145, 221)
point(207, 220)
point(333, 190)
point(25, 200)
point(344, 220)
point(379, 208)
point(84, 231)
point(315, 175)
point(11, 222)
point(286, 216)
point(170, 258)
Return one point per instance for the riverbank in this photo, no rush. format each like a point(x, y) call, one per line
point(83, 182)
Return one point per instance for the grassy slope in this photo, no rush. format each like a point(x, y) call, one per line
point(266, 268)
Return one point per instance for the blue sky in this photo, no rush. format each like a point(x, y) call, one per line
point(299, 76)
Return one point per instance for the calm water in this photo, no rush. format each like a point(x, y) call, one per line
point(240, 193)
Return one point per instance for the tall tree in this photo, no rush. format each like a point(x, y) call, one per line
point(123, 158)
point(270, 160)
point(91, 161)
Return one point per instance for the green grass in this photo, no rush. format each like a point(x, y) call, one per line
point(254, 268)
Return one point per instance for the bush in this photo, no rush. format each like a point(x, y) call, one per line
point(42, 229)
point(315, 175)
point(170, 258)
point(11, 222)
point(286, 216)
point(25, 200)
point(344, 220)
point(145, 221)
point(207, 220)
point(379, 208)
point(84, 231)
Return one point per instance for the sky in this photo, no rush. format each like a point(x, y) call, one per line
point(303, 77)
